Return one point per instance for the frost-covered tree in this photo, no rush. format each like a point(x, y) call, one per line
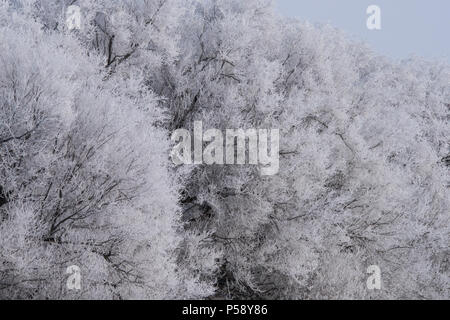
point(364, 152)
point(340, 202)
point(83, 176)
point(351, 120)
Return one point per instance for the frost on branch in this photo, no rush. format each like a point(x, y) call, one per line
point(84, 175)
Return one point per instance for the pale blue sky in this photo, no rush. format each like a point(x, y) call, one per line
point(409, 27)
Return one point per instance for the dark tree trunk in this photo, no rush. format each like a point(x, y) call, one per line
point(3, 198)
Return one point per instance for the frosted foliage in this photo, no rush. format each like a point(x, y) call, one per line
point(86, 177)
